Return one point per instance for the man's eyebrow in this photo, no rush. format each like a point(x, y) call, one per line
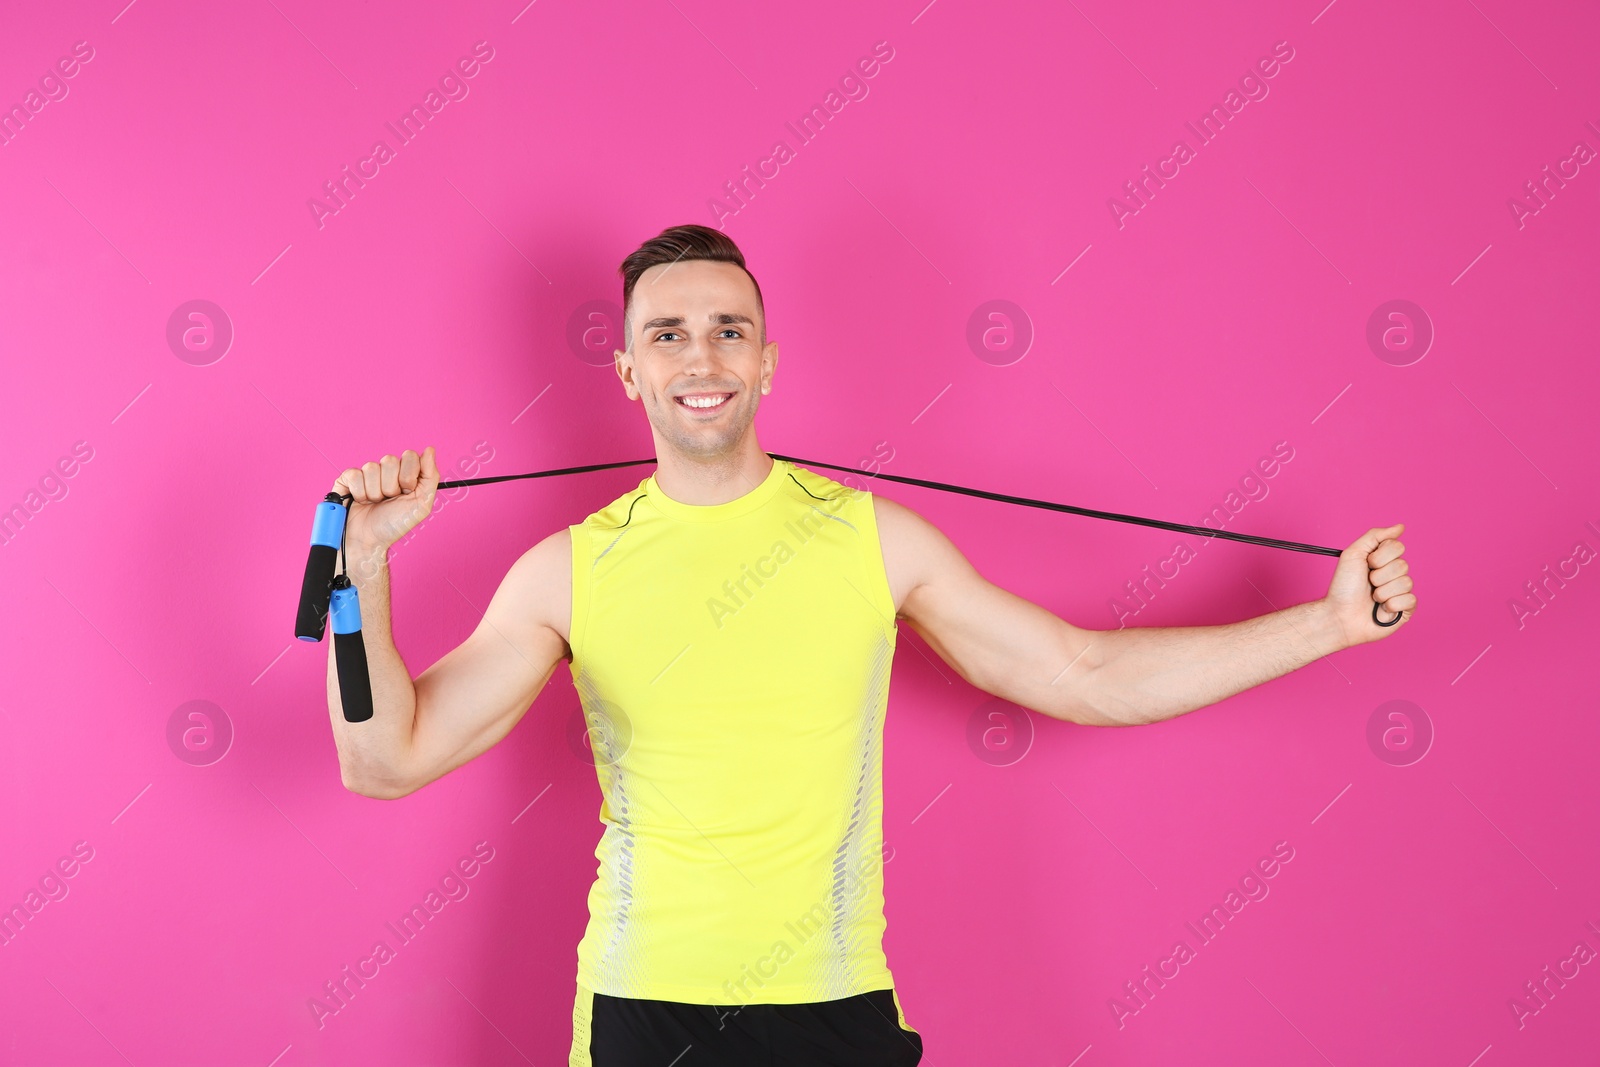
point(718, 317)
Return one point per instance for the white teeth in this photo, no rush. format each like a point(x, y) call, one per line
point(703, 402)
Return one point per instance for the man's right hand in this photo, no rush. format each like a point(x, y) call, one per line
point(388, 498)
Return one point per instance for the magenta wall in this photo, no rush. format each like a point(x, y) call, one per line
point(1151, 355)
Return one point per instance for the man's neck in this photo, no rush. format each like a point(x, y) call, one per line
point(715, 480)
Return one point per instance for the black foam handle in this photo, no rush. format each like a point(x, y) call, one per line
point(312, 617)
point(355, 687)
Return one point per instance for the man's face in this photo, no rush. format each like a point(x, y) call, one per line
point(696, 333)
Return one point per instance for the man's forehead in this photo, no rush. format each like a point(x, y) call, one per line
point(686, 280)
point(692, 292)
point(700, 296)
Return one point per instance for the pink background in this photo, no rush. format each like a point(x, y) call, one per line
point(1227, 315)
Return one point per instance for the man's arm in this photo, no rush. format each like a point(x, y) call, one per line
point(1018, 651)
point(1159, 672)
point(468, 700)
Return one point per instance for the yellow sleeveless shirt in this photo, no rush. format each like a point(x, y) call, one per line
point(732, 661)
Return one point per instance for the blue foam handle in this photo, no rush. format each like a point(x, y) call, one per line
point(327, 528)
point(345, 612)
point(327, 533)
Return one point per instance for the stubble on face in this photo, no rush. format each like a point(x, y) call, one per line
point(705, 441)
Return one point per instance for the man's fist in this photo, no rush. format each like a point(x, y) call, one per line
point(387, 498)
point(1373, 570)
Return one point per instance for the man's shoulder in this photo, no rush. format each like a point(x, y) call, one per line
point(914, 549)
point(897, 526)
point(538, 586)
point(895, 520)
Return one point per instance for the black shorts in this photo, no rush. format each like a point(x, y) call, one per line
point(866, 1029)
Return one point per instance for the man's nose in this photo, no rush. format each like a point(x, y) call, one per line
point(701, 357)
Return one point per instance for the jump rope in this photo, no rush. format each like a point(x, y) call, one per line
point(325, 595)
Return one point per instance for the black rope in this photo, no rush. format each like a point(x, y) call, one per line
point(1177, 527)
point(542, 474)
point(1004, 498)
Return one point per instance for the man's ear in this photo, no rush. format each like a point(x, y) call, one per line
point(769, 364)
point(623, 363)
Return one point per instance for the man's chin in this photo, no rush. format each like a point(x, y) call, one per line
point(705, 447)
point(708, 444)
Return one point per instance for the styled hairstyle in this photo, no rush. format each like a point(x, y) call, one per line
point(676, 244)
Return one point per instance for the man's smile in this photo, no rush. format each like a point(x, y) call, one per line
point(703, 403)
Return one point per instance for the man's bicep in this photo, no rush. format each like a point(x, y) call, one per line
point(998, 641)
point(476, 693)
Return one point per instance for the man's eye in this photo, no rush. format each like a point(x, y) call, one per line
point(731, 330)
point(664, 335)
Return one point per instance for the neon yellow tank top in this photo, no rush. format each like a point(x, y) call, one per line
point(733, 665)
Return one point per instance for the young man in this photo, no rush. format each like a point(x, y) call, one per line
point(729, 625)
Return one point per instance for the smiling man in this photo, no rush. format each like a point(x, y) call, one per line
point(736, 916)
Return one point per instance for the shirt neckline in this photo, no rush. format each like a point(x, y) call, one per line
point(677, 509)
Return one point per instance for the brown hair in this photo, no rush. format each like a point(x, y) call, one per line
point(676, 244)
